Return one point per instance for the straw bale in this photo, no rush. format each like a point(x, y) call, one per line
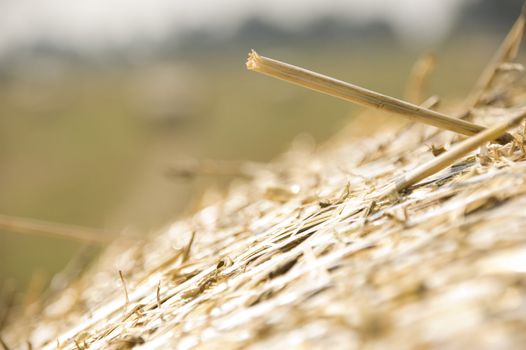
point(311, 254)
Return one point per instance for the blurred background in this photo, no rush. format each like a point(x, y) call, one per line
point(99, 98)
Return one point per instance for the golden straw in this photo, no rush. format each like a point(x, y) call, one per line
point(456, 152)
point(51, 229)
point(362, 96)
point(507, 52)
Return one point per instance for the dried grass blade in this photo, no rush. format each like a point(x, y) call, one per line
point(56, 230)
point(419, 77)
point(359, 95)
point(507, 52)
point(458, 151)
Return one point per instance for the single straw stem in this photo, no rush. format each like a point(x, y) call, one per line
point(459, 150)
point(51, 229)
point(507, 52)
point(362, 96)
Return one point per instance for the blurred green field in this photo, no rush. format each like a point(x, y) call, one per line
point(89, 144)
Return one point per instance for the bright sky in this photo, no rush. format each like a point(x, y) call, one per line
point(98, 23)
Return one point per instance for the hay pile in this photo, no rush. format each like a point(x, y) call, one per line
point(312, 254)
